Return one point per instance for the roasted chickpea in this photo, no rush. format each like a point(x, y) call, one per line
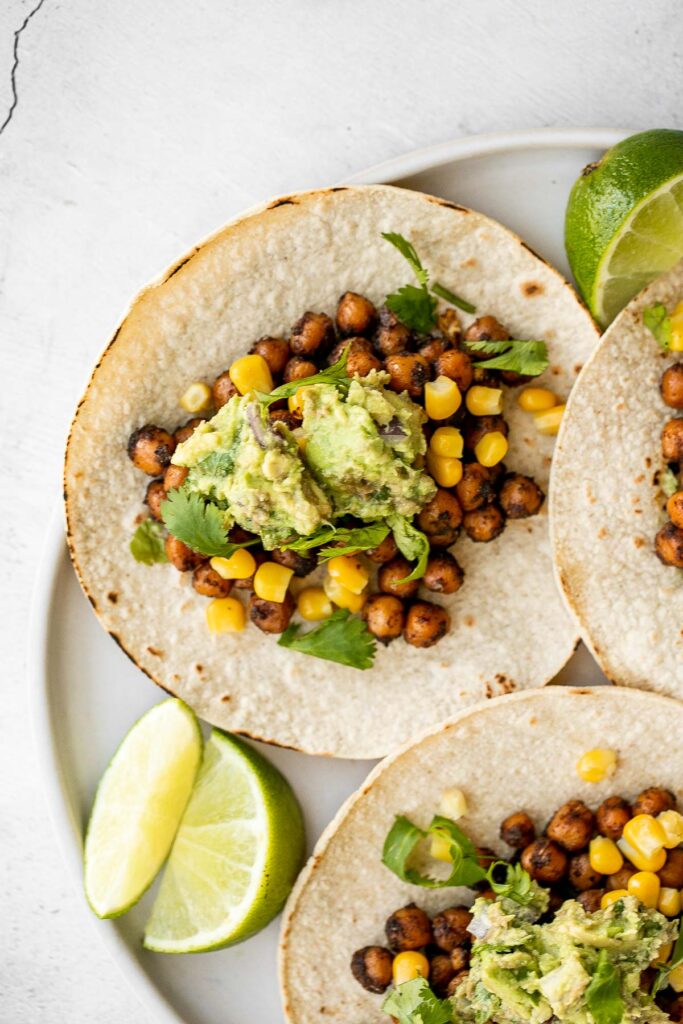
point(150, 449)
point(672, 1005)
point(484, 524)
point(669, 545)
point(456, 365)
point(619, 880)
point(174, 477)
point(449, 324)
point(475, 488)
point(248, 582)
point(444, 574)
point(361, 361)
point(518, 830)
point(455, 982)
point(450, 928)
point(654, 800)
point(154, 495)
point(187, 430)
point(408, 928)
point(311, 332)
point(545, 861)
point(223, 390)
point(671, 875)
point(286, 417)
point(409, 372)
point(355, 347)
point(671, 386)
point(426, 624)
point(520, 496)
point(431, 348)
point(275, 351)
point(371, 967)
point(297, 368)
point(355, 314)
point(674, 507)
point(389, 576)
point(572, 826)
point(513, 379)
point(477, 427)
point(581, 875)
point(440, 973)
point(384, 552)
point(179, 555)
point(392, 336)
point(555, 900)
point(485, 328)
point(672, 440)
point(460, 958)
point(271, 616)
point(208, 583)
point(301, 565)
point(591, 899)
point(611, 816)
point(385, 616)
point(440, 519)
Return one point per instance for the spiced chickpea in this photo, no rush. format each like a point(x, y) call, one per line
point(174, 477)
point(286, 417)
point(154, 495)
point(355, 314)
point(520, 496)
point(208, 583)
point(485, 328)
point(456, 365)
point(361, 361)
point(354, 346)
point(475, 487)
point(654, 800)
point(671, 386)
point(371, 967)
point(297, 368)
point(672, 440)
point(591, 900)
point(271, 616)
point(384, 552)
point(450, 928)
point(431, 348)
point(440, 973)
point(580, 873)
point(611, 816)
point(408, 928)
point(674, 508)
point(455, 982)
point(180, 556)
point(223, 390)
point(301, 565)
point(671, 875)
point(275, 351)
point(460, 958)
point(444, 575)
point(484, 524)
point(385, 616)
point(311, 333)
point(619, 879)
point(669, 545)
point(545, 861)
point(440, 519)
point(150, 449)
point(572, 825)
point(408, 372)
point(392, 336)
point(187, 430)
point(518, 830)
point(426, 624)
point(390, 575)
point(476, 427)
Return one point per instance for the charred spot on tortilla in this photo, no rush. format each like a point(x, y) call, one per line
point(155, 652)
point(112, 596)
point(531, 289)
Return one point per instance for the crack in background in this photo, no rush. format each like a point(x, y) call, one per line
point(15, 65)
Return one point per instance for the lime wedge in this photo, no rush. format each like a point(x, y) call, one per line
point(624, 222)
point(234, 860)
point(138, 806)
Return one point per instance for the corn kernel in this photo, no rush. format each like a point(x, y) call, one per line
point(409, 965)
point(639, 860)
point(491, 448)
point(271, 581)
point(608, 898)
point(453, 803)
point(536, 399)
point(596, 765)
point(442, 398)
point(447, 472)
point(341, 596)
point(676, 318)
point(676, 978)
point(548, 421)
point(295, 403)
point(313, 604)
point(251, 373)
point(240, 565)
point(604, 856)
point(645, 834)
point(197, 398)
point(669, 902)
point(663, 954)
point(645, 886)
point(481, 401)
point(440, 849)
point(225, 615)
point(448, 442)
point(672, 823)
point(349, 572)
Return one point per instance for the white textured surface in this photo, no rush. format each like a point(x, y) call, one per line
point(138, 128)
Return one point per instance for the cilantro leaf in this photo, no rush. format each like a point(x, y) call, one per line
point(668, 482)
point(517, 885)
point(342, 638)
point(407, 250)
point(410, 303)
point(413, 545)
point(402, 839)
point(147, 543)
point(358, 538)
point(455, 300)
point(414, 307)
point(603, 995)
point(657, 321)
point(197, 523)
point(335, 374)
point(662, 979)
point(413, 1002)
point(529, 358)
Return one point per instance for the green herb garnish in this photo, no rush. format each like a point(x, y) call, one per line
point(603, 995)
point(359, 538)
point(342, 638)
point(662, 979)
point(198, 523)
point(402, 839)
point(415, 306)
point(413, 545)
point(147, 543)
point(657, 321)
point(335, 374)
point(529, 358)
point(668, 481)
point(413, 1002)
point(517, 885)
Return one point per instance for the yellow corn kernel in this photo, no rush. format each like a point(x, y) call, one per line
point(349, 572)
point(548, 421)
point(408, 966)
point(447, 472)
point(440, 849)
point(676, 978)
point(645, 834)
point(676, 318)
point(596, 765)
point(663, 954)
point(442, 398)
point(481, 401)
point(669, 902)
point(225, 615)
point(341, 596)
point(295, 403)
point(536, 399)
point(251, 373)
point(672, 823)
point(271, 581)
point(313, 604)
point(453, 803)
point(240, 565)
point(197, 398)
point(604, 855)
point(448, 442)
point(645, 886)
point(491, 448)
point(608, 898)
point(655, 862)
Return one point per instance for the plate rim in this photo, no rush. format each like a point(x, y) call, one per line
point(50, 767)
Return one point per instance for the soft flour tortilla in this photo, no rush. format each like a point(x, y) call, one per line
point(256, 277)
point(513, 753)
point(606, 506)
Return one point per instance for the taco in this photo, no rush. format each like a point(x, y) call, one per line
point(521, 863)
point(616, 502)
point(387, 421)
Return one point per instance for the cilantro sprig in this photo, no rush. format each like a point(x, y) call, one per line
point(342, 638)
point(335, 374)
point(332, 540)
point(414, 1002)
point(147, 543)
point(413, 545)
point(529, 358)
point(657, 321)
point(198, 523)
point(415, 306)
point(603, 995)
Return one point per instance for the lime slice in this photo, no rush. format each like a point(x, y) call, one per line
point(624, 222)
point(234, 860)
point(138, 806)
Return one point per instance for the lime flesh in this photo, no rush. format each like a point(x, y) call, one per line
point(235, 857)
point(138, 806)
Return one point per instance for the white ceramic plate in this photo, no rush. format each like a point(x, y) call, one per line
point(86, 693)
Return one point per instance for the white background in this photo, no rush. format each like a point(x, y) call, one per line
point(137, 127)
